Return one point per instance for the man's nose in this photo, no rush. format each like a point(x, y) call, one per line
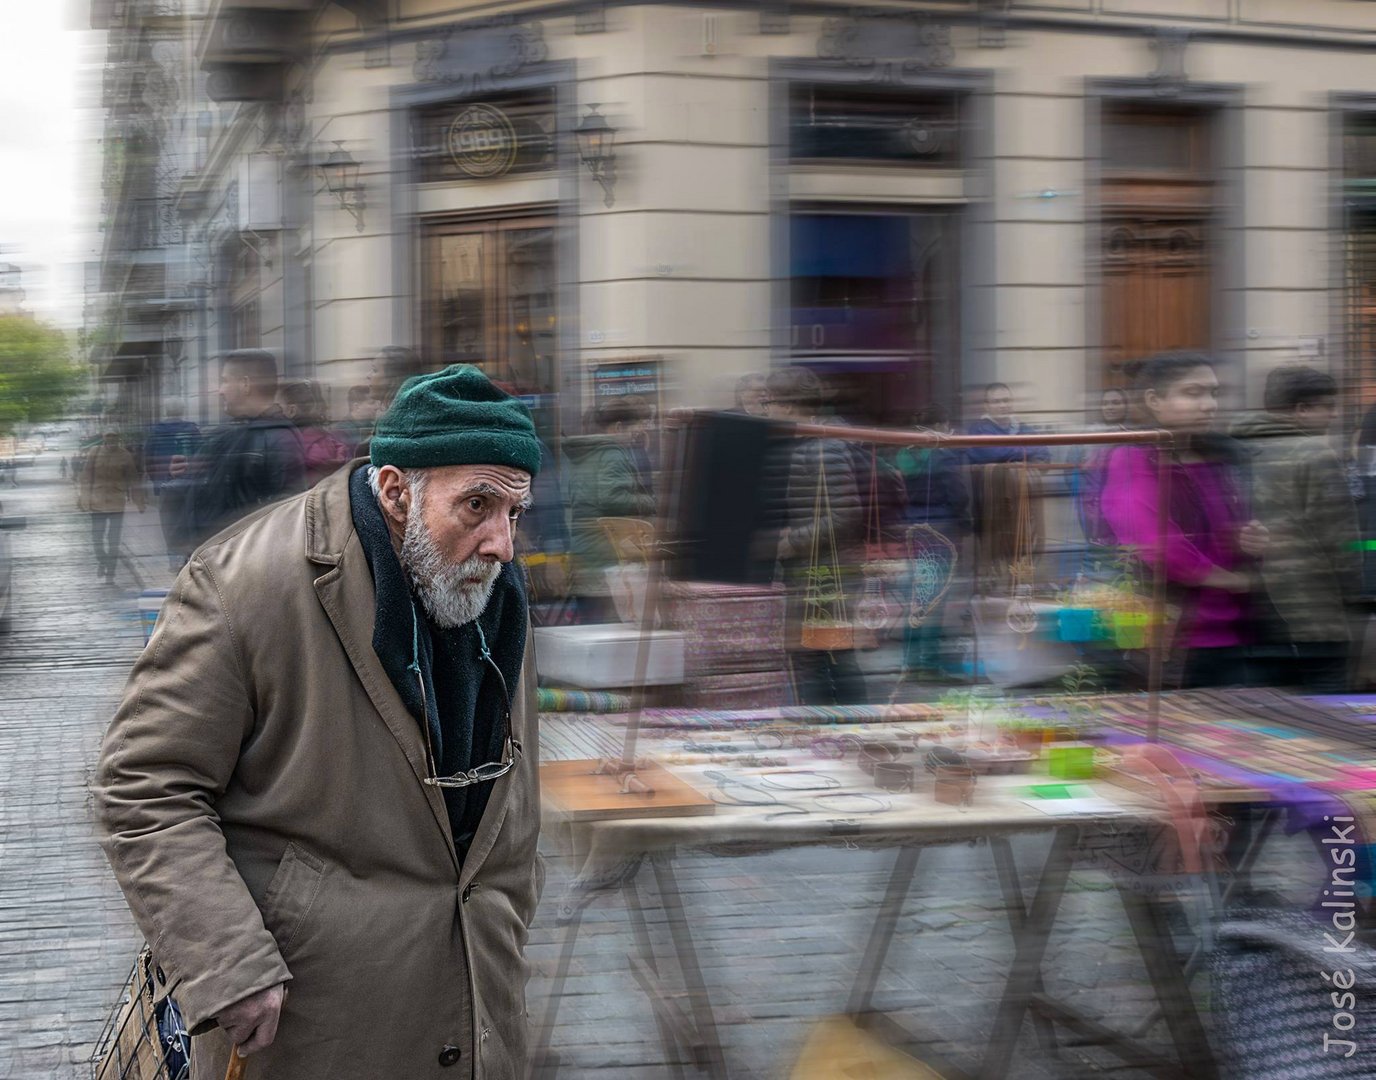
point(498, 541)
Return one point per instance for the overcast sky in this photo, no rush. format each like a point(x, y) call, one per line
point(45, 216)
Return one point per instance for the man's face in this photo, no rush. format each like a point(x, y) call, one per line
point(752, 400)
point(235, 391)
point(999, 403)
point(459, 527)
point(1317, 417)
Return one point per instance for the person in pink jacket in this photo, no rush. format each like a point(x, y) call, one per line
point(1211, 545)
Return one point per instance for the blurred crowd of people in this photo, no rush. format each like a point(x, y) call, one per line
point(1262, 556)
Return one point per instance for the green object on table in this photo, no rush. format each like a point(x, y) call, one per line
point(1070, 761)
point(1130, 629)
point(1049, 791)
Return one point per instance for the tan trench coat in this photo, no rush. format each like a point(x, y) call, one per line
point(109, 479)
point(261, 802)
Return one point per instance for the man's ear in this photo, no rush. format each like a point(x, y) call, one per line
point(395, 496)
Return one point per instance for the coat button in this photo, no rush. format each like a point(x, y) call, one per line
point(450, 1056)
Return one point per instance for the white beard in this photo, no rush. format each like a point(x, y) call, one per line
point(442, 586)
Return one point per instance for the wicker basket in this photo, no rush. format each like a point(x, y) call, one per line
point(133, 1045)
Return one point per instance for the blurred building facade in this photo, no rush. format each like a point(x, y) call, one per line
point(603, 198)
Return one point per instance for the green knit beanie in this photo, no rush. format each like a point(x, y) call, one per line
point(455, 417)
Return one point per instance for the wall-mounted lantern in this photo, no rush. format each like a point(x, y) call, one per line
point(597, 149)
point(340, 172)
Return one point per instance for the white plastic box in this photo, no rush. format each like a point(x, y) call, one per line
point(602, 657)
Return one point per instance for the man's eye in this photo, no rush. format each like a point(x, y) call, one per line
point(476, 505)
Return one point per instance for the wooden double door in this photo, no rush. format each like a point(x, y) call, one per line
point(1156, 288)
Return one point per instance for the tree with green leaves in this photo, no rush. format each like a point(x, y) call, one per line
point(37, 376)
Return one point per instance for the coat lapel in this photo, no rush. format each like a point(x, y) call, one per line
point(346, 594)
point(522, 712)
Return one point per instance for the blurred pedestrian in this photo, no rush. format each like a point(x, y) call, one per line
point(355, 429)
point(1113, 410)
point(604, 481)
point(254, 459)
point(304, 405)
point(1088, 478)
point(64, 469)
point(999, 418)
point(1212, 548)
point(751, 394)
point(172, 436)
point(642, 451)
point(1312, 566)
point(1006, 500)
point(391, 367)
point(109, 481)
point(821, 540)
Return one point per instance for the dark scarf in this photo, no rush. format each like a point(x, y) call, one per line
point(464, 696)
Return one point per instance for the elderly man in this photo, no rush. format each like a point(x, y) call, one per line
point(323, 773)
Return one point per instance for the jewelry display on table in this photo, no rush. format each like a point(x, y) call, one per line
point(859, 803)
point(801, 780)
point(732, 792)
point(955, 785)
point(872, 753)
point(894, 776)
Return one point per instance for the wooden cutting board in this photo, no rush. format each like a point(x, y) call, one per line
point(572, 790)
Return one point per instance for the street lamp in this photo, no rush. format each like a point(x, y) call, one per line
point(339, 170)
point(597, 148)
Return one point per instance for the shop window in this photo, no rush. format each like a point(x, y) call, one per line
point(1155, 142)
point(484, 139)
point(874, 302)
point(245, 326)
point(848, 123)
point(490, 299)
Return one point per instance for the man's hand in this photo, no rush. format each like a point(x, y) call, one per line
point(177, 466)
point(251, 1024)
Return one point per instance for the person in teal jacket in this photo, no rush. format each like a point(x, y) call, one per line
point(603, 482)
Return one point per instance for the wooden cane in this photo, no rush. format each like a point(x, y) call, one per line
point(237, 1065)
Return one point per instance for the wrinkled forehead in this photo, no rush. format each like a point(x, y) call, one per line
point(455, 481)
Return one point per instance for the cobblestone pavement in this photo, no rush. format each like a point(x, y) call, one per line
point(779, 934)
point(66, 940)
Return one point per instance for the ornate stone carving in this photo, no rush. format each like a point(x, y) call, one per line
point(993, 23)
point(161, 80)
point(591, 19)
point(889, 47)
point(774, 17)
point(475, 58)
point(1169, 45)
point(167, 179)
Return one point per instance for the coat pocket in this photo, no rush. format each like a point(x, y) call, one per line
point(291, 894)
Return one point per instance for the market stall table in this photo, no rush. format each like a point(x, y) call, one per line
point(834, 803)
